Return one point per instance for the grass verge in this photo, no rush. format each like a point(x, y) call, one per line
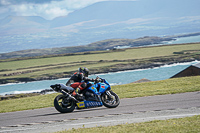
point(181, 125)
point(169, 86)
point(162, 87)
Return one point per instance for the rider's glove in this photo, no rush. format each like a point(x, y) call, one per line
point(93, 80)
point(98, 80)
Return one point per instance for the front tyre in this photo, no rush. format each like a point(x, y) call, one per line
point(110, 99)
point(63, 104)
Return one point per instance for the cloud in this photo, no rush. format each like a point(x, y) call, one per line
point(7, 2)
point(4, 2)
point(47, 9)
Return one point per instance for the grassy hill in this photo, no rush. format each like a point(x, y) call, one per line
point(100, 45)
point(60, 66)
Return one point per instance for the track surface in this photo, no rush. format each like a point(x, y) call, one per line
point(130, 110)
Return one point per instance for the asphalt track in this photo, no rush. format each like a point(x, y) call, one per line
point(130, 110)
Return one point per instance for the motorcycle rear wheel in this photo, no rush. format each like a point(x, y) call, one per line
point(64, 105)
point(110, 101)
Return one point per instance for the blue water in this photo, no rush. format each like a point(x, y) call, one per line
point(115, 78)
point(190, 39)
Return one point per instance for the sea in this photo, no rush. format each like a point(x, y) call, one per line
point(180, 40)
point(114, 78)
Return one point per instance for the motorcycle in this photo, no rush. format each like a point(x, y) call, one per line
point(96, 94)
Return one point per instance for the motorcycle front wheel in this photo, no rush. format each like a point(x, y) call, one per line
point(63, 104)
point(110, 99)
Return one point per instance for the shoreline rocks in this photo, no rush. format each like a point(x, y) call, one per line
point(15, 96)
point(142, 81)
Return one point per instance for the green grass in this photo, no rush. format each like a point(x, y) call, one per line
point(169, 86)
point(181, 125)
point(56, 66)
point(51, 71)
point(61, 66)
point(137, 53)
point(27, 103)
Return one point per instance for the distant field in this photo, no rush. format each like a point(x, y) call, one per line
point(50, 66)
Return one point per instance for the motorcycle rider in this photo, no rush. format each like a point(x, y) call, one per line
point(78, 80)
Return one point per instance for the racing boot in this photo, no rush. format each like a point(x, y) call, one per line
point(77, 94)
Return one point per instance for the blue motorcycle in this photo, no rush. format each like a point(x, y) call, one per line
point(96, 94)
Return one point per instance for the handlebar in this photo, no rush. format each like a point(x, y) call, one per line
point(98, 79)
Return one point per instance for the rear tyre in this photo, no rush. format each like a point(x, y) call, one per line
point(110, 100)
point(63, 104)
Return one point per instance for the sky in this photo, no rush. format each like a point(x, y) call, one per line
point(48, 9)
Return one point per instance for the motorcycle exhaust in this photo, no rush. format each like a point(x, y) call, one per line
point(68, 95)
point(57, 88)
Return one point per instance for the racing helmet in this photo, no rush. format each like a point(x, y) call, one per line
point(84, 70)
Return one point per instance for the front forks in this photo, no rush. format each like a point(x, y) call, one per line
point(110, 95)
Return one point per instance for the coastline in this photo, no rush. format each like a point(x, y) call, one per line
point(21, 95)
point(150, 63)
point(44, 91)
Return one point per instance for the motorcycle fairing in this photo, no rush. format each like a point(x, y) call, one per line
point(102, 87)
point(93, 88)
point(81, 104)
point(88, 104)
